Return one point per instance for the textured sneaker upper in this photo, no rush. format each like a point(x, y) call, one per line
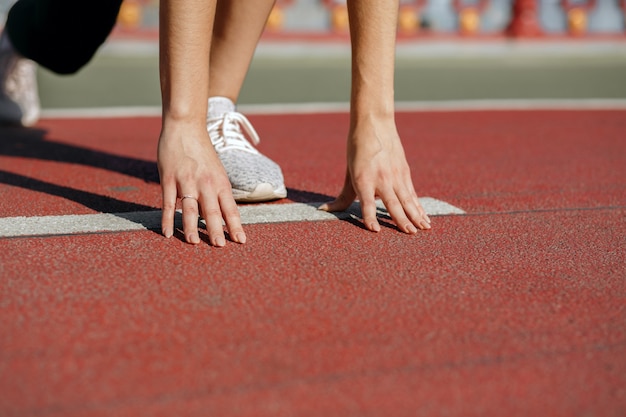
point(245, 166)
point(19, 97)
point(247, 170)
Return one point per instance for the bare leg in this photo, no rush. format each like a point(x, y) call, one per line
point(236, 32)
point(237, 28)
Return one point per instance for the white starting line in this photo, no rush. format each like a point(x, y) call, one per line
point(151, 220)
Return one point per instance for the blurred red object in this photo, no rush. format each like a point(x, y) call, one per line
point(524, 20)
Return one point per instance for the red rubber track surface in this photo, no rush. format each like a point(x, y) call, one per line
point(517, 308)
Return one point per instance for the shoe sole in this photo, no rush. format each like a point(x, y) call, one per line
point(262, 192)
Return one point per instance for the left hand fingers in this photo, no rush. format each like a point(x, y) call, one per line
point(406, 211)
point(368, 210)
point(397, 212)
point(410, 203)
point(402, 205)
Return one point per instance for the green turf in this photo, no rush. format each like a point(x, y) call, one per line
point(133, 81)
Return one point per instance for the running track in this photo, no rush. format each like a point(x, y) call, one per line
point(514, 304)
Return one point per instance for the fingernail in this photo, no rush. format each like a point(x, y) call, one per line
point(427, 219)
point(426, 225)
point(241, 237)
point(374, 227)
point(323, 207)
point(193, 238)
point(220, 241)
point(411, 229)
point(167, 233)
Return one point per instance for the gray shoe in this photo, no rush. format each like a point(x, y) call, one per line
point(253, 176)
point(19, 98)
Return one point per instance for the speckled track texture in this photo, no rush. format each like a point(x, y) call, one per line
point(516, 308)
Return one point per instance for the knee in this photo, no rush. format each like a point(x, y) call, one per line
point(71, 62)
point(63, 68)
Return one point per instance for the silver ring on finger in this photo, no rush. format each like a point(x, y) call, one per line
point(188, 196)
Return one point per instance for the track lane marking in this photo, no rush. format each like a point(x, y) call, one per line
point(151, 220)
point(341, 107)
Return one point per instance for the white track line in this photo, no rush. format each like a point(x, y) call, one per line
point(406, 49)
point(151, 220)
point(340, 107)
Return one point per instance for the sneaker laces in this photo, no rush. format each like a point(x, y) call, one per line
point(226, 133)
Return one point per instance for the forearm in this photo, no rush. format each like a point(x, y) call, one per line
point(184, 45)
point(377, 165)
point(373, 26)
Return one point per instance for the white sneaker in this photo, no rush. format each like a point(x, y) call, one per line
point(253, 176)
point(19, 97)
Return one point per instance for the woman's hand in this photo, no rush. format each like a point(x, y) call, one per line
point(377, 167)
point(190, 169)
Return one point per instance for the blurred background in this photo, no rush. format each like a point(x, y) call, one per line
point(447, 50)
point(427, 16)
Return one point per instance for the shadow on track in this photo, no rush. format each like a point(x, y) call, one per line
point(32, 143)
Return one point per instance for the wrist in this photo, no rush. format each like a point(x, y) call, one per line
point(373, 100)
point(366, 115)
point(372, 132)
